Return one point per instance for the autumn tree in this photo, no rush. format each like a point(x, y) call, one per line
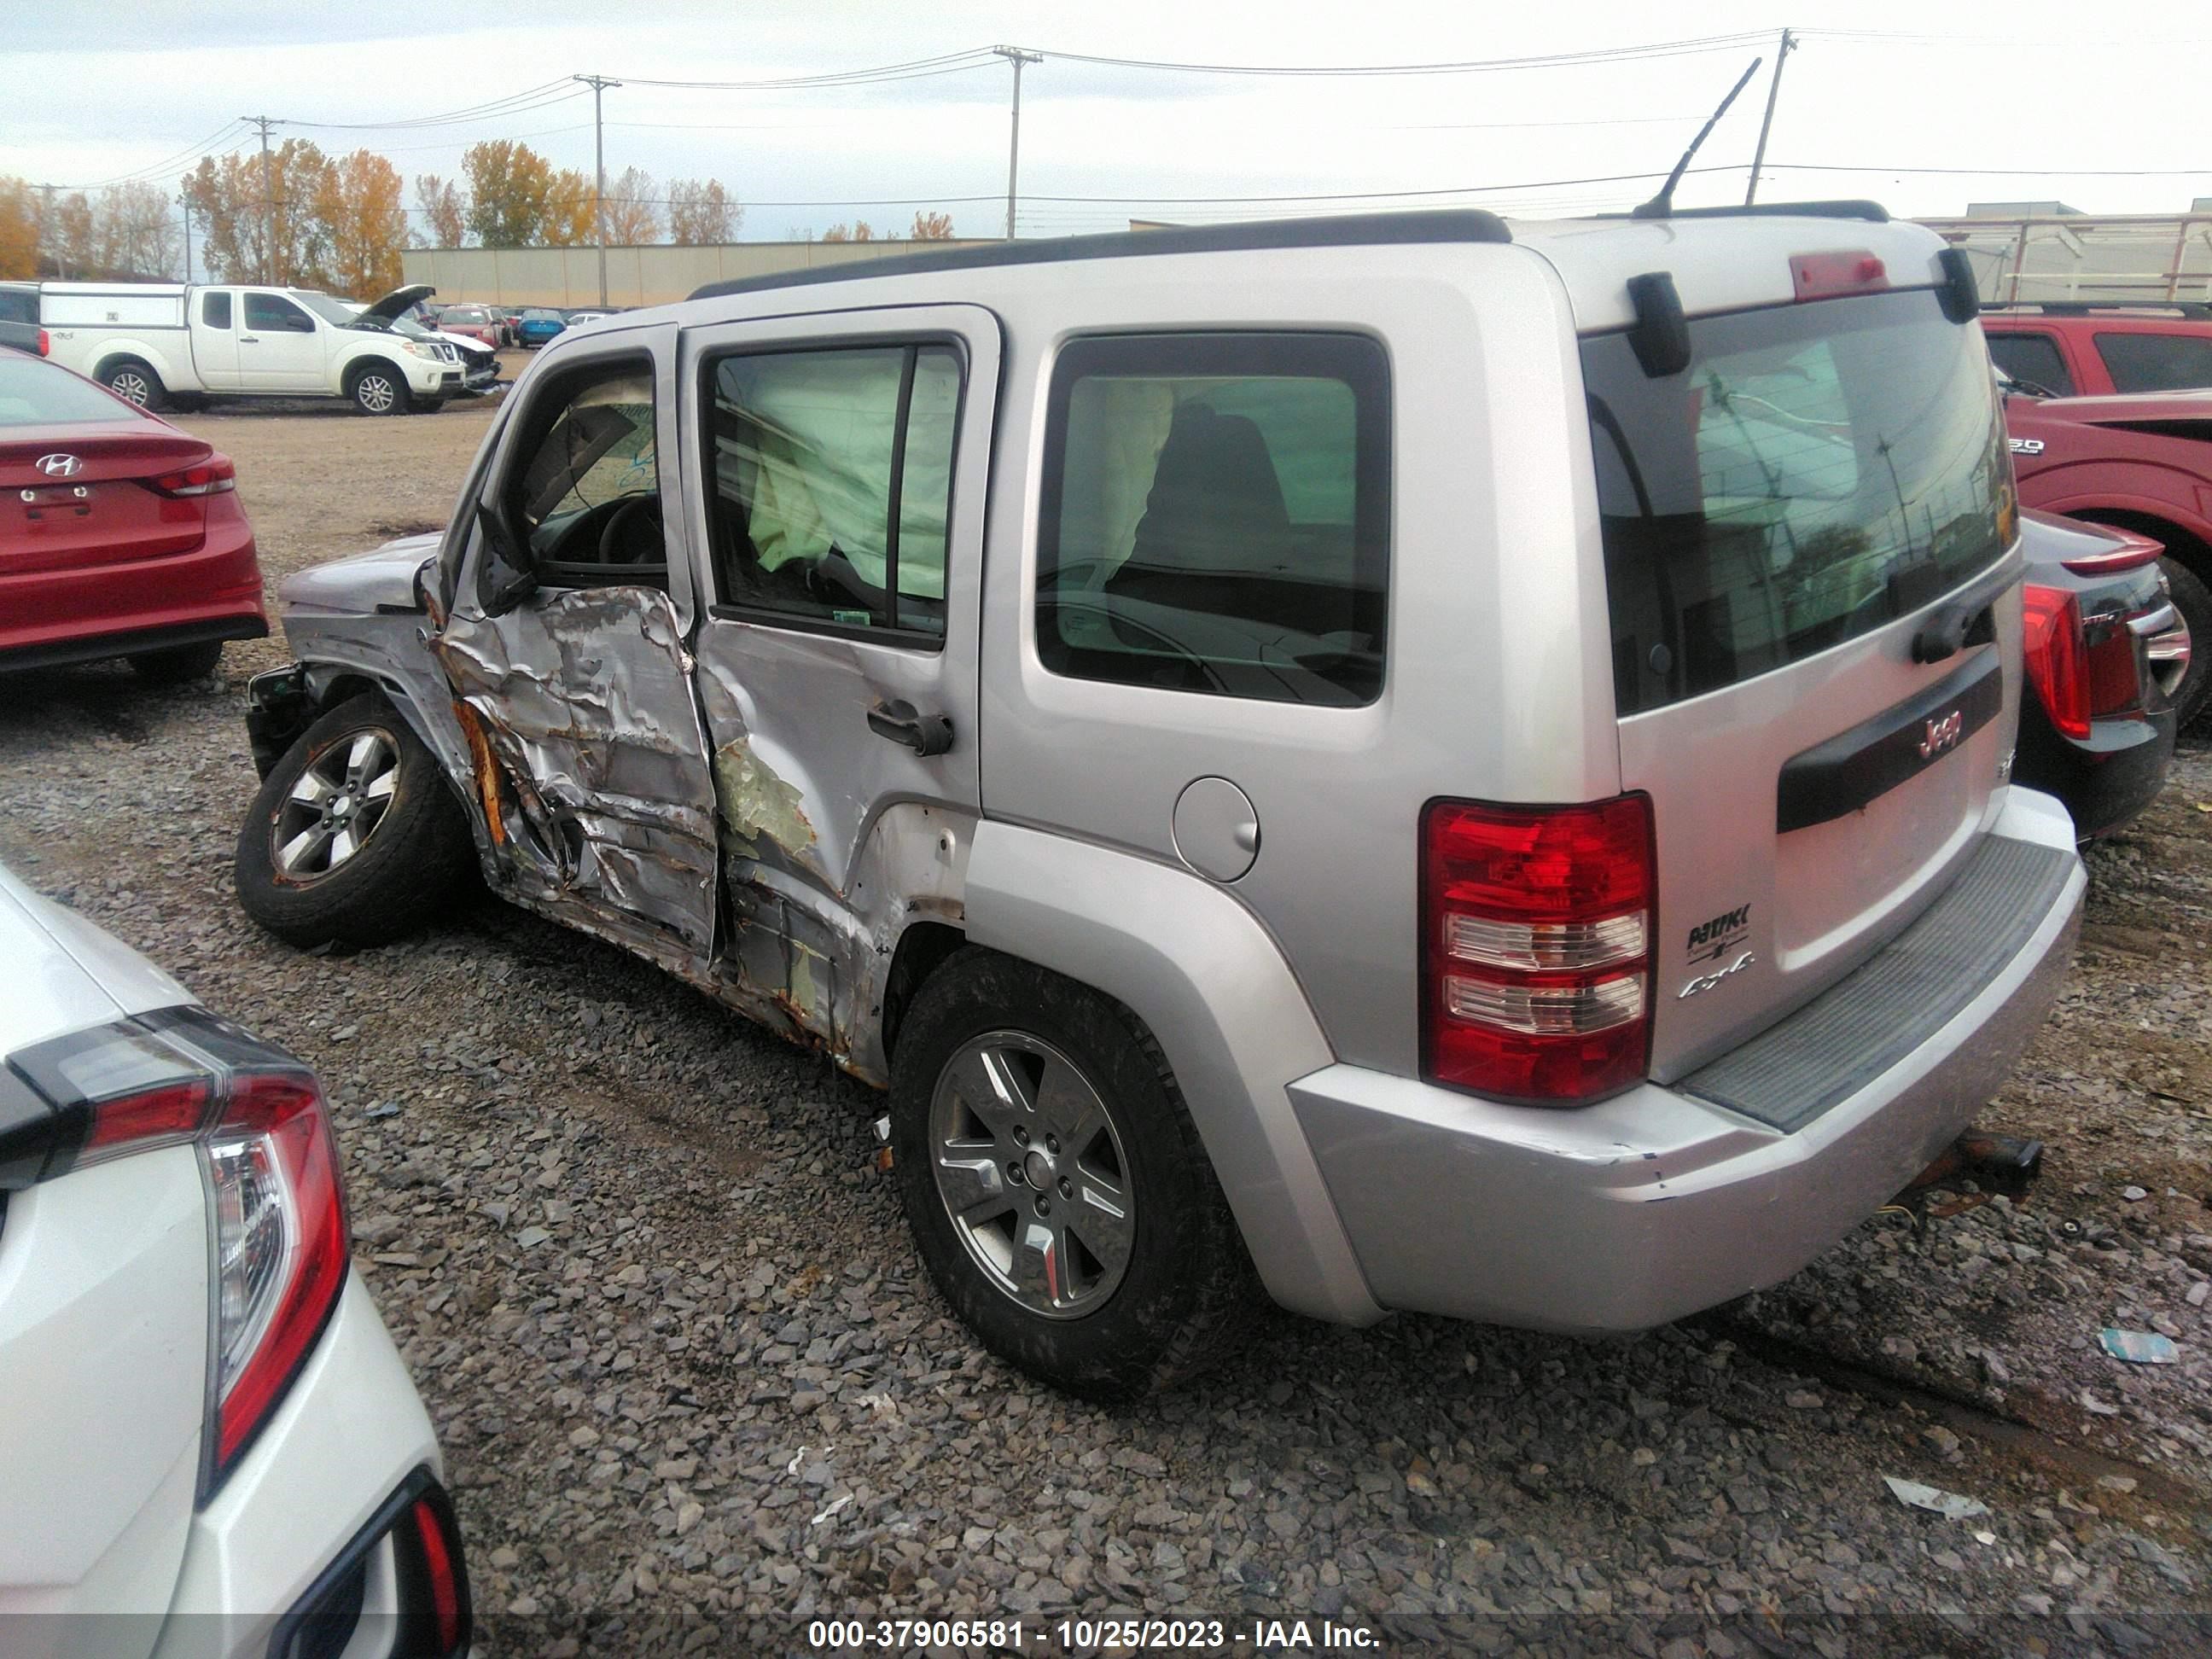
point(136, 232)
point(19, 231)
point(359, 207)
point(67, 236)
point(633, 214)
point(571, 218)
point(931, 227)
point(445, 213)
point(508, 185)
point(261, 215)
point(701, 213)
point(859, 231)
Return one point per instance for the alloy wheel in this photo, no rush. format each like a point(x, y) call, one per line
point(335, 805)
point(375, 393)
point(131, 387)
point(1030, 1164)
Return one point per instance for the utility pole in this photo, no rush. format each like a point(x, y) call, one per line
point(1773, 87)
point(1017, 56)
point(185, 200)
point(268, 201)
point(599, 84)
point(45, 229)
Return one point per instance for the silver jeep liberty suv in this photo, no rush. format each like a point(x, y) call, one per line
point(1433, 763)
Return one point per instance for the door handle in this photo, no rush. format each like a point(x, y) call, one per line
point(925, 734)
point(249, 339)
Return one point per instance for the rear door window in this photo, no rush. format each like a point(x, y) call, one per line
point(1816, 471)
point(214, 309)
point(1215, 515)
point(2034, 358)
point(2157, 362)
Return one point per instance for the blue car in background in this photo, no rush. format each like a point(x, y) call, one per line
point(539, 325)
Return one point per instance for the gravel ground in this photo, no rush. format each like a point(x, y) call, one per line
point(695, 1390)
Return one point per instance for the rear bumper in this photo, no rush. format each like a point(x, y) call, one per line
point(1657, 1203)
point(51, 616)
point(351, 1434)
point(2105, 781)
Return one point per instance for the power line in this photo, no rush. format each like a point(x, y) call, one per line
point(1473, 66)
point(514, 103)
point(952, 62)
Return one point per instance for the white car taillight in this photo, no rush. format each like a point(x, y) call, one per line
point(263, 1137)
point(280, 1246)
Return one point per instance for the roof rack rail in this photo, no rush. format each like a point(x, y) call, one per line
point(1835, 209)
point(1347, 230)
point(2196, 310)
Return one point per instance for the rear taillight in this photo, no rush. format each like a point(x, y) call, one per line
point(280, 1247)
point(1536, 929)
point(2056, 657)
point(46, 345)
point(2114, 670)
point(212, 476)
point(183, 1076)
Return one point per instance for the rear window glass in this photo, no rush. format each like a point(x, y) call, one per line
point(32, 393)
point(1215, 515)
point(1816, 471)
point(2033, 358)
point(2157, 362)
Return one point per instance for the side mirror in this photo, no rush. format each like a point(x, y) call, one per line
point(504, 578)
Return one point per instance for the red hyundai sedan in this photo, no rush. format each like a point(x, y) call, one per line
point(120, 536)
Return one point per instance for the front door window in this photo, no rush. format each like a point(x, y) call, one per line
point(586, 498)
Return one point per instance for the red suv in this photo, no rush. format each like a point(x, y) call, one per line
point(2140, 463)
point(2092, 348)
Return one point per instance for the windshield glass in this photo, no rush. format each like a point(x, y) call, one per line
point(1816, 471)
point(332, 311)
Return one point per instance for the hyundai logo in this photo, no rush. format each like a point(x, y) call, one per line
point(59, 467)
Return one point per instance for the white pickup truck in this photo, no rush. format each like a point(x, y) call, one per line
point(175, 343)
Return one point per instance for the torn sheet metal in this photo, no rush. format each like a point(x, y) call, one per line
point(584, 701)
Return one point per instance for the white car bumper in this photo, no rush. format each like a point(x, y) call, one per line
point(348, 1436)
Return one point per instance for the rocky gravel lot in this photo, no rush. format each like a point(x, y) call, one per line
point(695, 1390)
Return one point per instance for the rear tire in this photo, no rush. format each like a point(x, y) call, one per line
point(1114, 1309)
point(135, 382)
point(380, 389)
point(294, 875)
point(2192, 597)
point(178, 665)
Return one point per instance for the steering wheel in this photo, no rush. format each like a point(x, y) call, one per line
point(618, 526)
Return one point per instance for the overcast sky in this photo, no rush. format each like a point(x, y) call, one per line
point(2035, 94)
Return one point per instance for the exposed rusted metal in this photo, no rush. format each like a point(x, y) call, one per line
point(486, 770)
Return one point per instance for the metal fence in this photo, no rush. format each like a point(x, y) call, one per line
point(636, 276)
point(2083, 256)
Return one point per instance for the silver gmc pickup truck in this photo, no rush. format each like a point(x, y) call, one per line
point(1436, 763)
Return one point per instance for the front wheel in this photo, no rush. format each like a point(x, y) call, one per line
point(1055, 1185)
point(379, 390)
point(354, 835)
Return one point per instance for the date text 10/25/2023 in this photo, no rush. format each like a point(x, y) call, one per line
point(1013, 1636)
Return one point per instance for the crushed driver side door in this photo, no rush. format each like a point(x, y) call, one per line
point(565, 650)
